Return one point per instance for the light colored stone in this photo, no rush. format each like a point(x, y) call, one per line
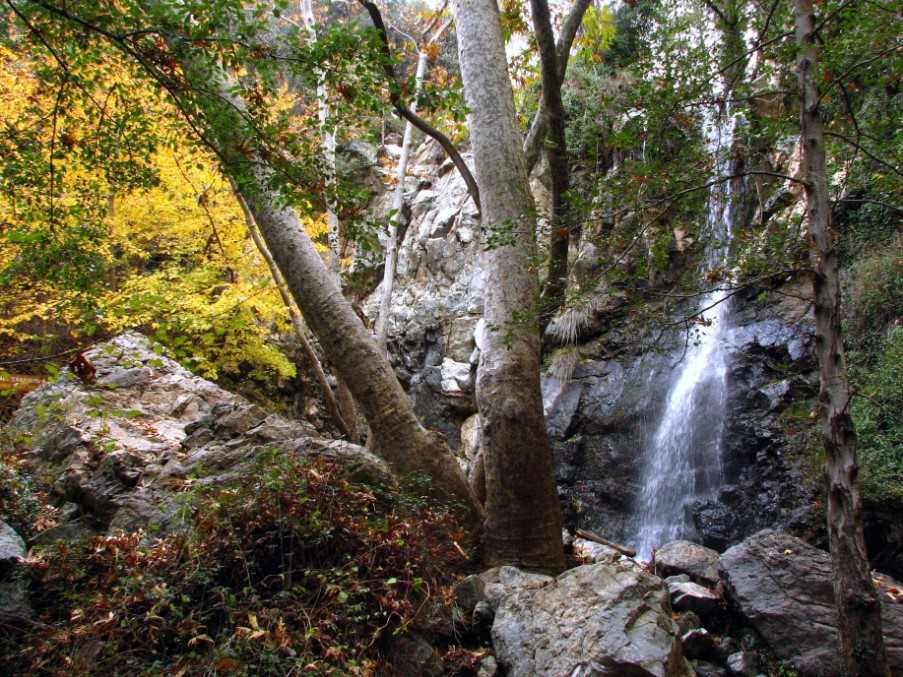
point(597, 619)
point(684, 557)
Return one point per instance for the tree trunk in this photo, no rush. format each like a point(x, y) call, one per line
point(385, 301)
point(304, 340)
point(523, 517)
point(556, 151)
point(328, 143)
point(539, 126)
point(397, 434)
point(858, 606)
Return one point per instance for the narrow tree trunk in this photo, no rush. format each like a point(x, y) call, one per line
point(523, 522)
point(539, 126)
point(304, 340)
point(328, 143)
point(858, 606)
point(385, 302)
point(556, 151)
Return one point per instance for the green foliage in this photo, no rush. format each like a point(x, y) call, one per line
point(878, 418)
point(289, 570)
point(875, 296)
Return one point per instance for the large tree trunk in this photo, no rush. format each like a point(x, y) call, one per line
point(332, 406)
point(858, 605)
point(523, 521)
point(359, 362)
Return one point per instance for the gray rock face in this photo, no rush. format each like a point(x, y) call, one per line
point(12, 547)
point(122, 448)
point(598, 619)
point(783, 587)
point(14, 603)
point(683, 557)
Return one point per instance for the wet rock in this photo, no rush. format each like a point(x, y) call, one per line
point(783, 587)
point(592, 620)
point(683, 557)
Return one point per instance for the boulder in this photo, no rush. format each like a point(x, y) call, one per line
point(597, 619)
point(743, 664)
point(12, 547)
point(413, 655)
point(683, 557)
point(595, 552)
point(15, 606)
point(782, 586)
point(119, 450)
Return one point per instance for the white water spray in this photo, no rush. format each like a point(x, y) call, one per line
point(683, 457)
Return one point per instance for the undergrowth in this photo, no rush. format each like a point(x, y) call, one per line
point(290, 570)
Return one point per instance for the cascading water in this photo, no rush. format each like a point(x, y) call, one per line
point(683, 457)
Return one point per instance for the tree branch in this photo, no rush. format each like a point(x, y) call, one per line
point(411, 116)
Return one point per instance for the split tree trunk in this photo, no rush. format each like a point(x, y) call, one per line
point(523, 517)
point(858, 606)
point(556, 151)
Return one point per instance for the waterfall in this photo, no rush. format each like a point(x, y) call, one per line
point(683, 457)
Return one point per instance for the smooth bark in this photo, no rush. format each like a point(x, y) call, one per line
point(523, 517)
point(328, 137)
point(304, 340)
point(858, 606)
point(356, 358)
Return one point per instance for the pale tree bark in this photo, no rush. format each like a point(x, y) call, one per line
point(328, 141)
point(357, 360)
point(523, 517)
point(301, 333)
point(385, 303)
point(858, 606)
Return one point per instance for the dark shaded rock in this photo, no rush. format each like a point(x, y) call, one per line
point(683, 557)
point(743, 664)
point(697, 643)
point(783, 587)
point(706, 669)
point(413, 655)
point(687, 621)
point(469, 592)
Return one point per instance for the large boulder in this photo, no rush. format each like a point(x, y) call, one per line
point(14, 603)
point(782, 585)
point(684, 557)
point(120, 449)
point(594, 620)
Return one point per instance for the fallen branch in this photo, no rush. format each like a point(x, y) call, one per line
point(596, 538)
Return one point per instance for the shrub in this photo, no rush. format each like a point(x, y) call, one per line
point(288, 570)
point(879, 419)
